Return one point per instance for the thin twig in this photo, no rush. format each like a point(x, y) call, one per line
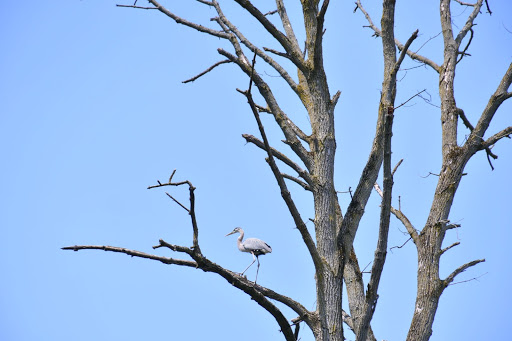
point(417, 94)
point(469, 280)
point(461, 269)
point(401, 246)
point(463, 53)
point(133, 6)
point(207, 70)
point(176, 201)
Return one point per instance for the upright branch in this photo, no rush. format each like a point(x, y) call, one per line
point(362, 308)
point(285, 193)
point(370, 173)
point(382, 243)
point(191, 210)
point(331, 248)
point(413, 55)
point(290, 47)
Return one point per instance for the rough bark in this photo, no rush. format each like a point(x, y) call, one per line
point(331, 248)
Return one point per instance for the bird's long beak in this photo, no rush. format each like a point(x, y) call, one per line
point(230, 233)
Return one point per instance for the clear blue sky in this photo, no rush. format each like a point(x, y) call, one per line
point(92, 111)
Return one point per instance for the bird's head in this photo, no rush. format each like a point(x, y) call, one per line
point(237, 229)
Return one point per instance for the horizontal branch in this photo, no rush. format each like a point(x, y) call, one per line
point(133, 253)
point(133, 6)
point(257, 292)
point(176, 248)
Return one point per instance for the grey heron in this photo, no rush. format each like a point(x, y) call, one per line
point(254, 246)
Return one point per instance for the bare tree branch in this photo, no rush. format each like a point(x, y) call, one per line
point(401, 216)
point(232, 28)
point(191, 210)
point(301, 226)
point(410, 98)
point(133, 253)
point(292, 50)
point(412, 55)
point(464, 3)
point(449, 247)
point(298, 181)
point(403, 52)
point(469, 22)
point(176, 248)
point(469, 280)
point(176, 201)
point(348, 321)
point(459, 270)
point(496, 137)
point(133, 6)
point(190, 24)
point(396, 167)
point(280, 156)
point(257, 292)
point(289, 129)
point(353, 278)
point(281, 9)
point(500, 95)
point(382, 243)
point(206, 71)
point(464, 53)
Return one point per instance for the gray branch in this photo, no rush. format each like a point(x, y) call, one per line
point(399, 45)
point(461, 269)
point(280, 156)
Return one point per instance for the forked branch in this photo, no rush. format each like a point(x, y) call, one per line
point(382, 243)
point(133, 253)
point(280, 156)
point(258, 293)
point(402, 217)
point(191, 211)
point(399, 45)
point(285, 193)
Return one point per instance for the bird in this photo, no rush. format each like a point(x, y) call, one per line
point(255, 246)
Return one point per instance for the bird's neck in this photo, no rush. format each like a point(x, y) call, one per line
point(239, 241)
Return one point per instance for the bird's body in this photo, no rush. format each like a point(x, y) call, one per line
point(254, 246)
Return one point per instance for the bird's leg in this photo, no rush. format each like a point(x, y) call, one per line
point(254, 260)
point(257, 258)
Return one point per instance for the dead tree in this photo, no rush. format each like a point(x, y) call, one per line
point(331, 245)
